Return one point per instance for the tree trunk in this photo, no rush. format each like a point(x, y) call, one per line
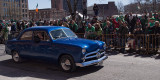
point(72, 12)
point(69, 6)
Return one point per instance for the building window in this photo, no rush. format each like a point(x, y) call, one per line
point(4, 4)
point(22, 5)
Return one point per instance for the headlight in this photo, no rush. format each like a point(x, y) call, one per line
point(83, 50)
point(104, 46)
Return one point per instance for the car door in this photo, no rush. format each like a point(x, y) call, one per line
point(25, 44)
point(43, 50)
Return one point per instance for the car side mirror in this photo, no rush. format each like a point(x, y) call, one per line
point(37, 39)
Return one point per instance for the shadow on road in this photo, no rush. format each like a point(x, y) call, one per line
point(41, 70)
point(141, 54)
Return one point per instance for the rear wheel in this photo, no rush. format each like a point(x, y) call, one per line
point(16, 57)
point(67, 63)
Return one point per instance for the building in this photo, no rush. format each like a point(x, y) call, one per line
point(142, 8)
point(14, 9)
point(55, 12)
point(82, 4)
point(104, 10)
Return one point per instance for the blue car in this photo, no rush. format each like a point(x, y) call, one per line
point(58, 45)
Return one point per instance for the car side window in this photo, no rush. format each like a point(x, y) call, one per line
point(27, 35)
point(42, 35)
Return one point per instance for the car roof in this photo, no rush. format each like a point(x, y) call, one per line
point(46, 28)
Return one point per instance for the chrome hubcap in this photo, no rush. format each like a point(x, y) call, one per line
point(66, 65)
point(16, 57)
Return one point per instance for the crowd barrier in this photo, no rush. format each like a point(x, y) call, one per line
point(145, 43)
point(142, 43)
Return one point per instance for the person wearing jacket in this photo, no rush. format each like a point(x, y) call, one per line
point(95, 9)
point(155, 31)
point(123, 31)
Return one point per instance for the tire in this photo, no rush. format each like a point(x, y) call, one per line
point(67, 63)
point(16, 57)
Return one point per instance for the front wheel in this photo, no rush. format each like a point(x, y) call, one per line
point(67, 63)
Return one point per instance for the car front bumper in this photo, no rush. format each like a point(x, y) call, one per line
point(93, 62)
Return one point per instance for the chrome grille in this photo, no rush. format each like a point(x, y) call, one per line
point(94, 55)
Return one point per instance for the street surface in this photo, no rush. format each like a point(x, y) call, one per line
point(117, 67)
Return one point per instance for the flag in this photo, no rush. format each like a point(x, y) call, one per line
point(139, 7)
point(37, 8)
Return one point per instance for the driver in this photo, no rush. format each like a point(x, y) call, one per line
point(39, 34)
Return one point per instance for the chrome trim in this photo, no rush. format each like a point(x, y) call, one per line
point(92, 52)
point(91, 57)
point(103, 53)
point(93, 62)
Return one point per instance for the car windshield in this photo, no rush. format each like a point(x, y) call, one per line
point(62, 33)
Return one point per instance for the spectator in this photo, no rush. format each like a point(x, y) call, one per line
point(107, 28)
point(143, 22)
point(156, 32)
point(98, 31)
point(138, 36)
point(123, 34)
point(18, 26)
point(82, 28)
point(1, 27)
point(73, 26)
point(13, 27)
point(90, 32)
point(138, 24)
point(95, 9)
point(65, 24)
point(151, 23)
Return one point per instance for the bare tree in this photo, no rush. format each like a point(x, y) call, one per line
point(73, 10)
point(120, 7)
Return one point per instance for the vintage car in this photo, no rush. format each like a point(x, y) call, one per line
point(58, 45)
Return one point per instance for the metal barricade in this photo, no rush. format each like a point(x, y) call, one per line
point(142, 43)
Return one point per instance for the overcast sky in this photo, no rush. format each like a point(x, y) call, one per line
point(47, 3)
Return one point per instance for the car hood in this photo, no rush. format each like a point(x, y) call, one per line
point(89, 45)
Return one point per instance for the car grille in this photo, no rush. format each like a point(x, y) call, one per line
point(94, 55)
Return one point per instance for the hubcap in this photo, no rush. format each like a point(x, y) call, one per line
point(66, 65)
point(16, 57)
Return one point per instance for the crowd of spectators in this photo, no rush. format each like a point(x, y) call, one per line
point(93, 28)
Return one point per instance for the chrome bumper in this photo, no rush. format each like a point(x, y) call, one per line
point(93, 62)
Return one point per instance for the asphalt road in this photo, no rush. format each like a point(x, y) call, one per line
point(117, 67)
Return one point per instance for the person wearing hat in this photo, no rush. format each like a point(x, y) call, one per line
point(152, 22)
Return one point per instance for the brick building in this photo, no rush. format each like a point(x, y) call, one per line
point(14, 9)
point(55, 12)
point(144, 7)
point(104, 10)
